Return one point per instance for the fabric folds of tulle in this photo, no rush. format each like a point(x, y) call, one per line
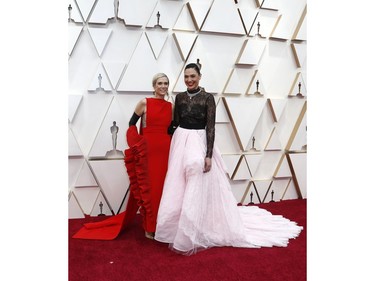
point(198, 210)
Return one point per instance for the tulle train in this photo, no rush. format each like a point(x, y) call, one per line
point(198, 210)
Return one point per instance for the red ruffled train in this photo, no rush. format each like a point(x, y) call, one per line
point(139, 196)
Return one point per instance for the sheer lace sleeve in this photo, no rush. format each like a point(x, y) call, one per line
point(176, 116)
point(210, 127)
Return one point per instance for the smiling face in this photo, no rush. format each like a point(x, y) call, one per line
point(161, 87)
point(191, 77)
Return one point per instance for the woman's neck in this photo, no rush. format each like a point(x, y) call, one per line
point(194, 91)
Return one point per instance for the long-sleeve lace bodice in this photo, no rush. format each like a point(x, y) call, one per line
point(197, 112)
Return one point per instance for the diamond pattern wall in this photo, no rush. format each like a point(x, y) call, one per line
point(254, 62)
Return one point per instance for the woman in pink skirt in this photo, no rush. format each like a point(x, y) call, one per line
point(197, 209)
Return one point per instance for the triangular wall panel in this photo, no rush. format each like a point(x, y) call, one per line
point(139, 79)
point(113, 180)
point(244, 114)
point(114, 70)
point(296, 127)
point(280, 187)
point(168, 12)
point(216, 65)
point(288, 20)
point(283, 169)
point(277, 107)
point(75, 165)
point(101, 207)
point(131, 81)
point(157, 39)
point(221, 113)
point(274, 142)
point(239, 188)
point(75, 211)
point(287, 125)
point(230, 23)
point(85, 177)
point(100, 81)
point(106, 144)
point(231, 161)
point(267, 165)
point(251, 52)
point(225, 138)
point(85, 6)
point(274, 194)
point(256, 86)
point(103, 11)
point(248, 12)
point(74, 33)
point(238, 81)
point(263, 188)
point(253, 161)
point(262, 131)
point(300, 139)
point(185, 42)
point(290, 192)
point(184, 21)
point(264, 23)
point(74, 149)
point(242, 171)
point(86, 198)
point(100, 37)
point(122, 44)
point(300, 53)
point(298, 87)
point(199, 10)
point(253, 194)
point(136, 13)
point(74, 102)
point(301, 28)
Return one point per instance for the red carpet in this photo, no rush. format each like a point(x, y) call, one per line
point(131, 256)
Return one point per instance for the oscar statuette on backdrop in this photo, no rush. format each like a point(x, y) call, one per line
point(101, 209)
point(252, 146)
point(257, 93)
point(99, 89)
point(299, 94)
point(251, 199)
point(114, 153)
point(158, 20)
point(70, 13)
point(272, 192)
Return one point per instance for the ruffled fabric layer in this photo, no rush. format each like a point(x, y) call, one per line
point(198, 210)
point(136, 164)
point(139, 197)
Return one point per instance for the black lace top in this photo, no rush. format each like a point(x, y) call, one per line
point(197, 112)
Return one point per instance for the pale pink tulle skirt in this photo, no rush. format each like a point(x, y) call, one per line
point(198, 210)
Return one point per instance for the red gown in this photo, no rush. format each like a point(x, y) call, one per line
point(146, 161)
point(158, 119)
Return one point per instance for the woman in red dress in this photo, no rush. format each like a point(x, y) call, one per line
point(146, 162)
point(156, 116)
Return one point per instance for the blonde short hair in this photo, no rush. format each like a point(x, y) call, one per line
point(158, 76)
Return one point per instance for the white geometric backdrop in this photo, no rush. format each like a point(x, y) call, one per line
point(253, 57)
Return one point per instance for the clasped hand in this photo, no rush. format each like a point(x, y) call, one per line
point(207, 165)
